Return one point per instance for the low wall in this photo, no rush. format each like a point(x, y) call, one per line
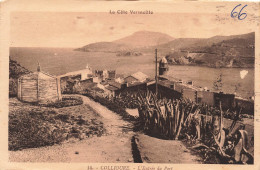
point(165, 92)
point(248, 106)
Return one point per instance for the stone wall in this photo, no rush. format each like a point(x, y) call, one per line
point(190, 94)
point(206, 97)
point(27, 90)
point(166, 92)
point(48, 91)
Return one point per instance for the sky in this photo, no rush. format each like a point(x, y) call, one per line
point(76, 29)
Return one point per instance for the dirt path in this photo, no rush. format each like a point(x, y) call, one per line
point(113, 147)
point(154, 150)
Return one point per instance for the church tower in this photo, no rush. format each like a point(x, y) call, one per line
point(163, 67)
point(38, 67)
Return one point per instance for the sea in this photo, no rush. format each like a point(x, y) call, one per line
point(58, 61)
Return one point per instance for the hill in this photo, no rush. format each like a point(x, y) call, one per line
point(15, 71)
point(236, 41)
point(218, 51)
point(145, 39)
point(130, 43)
point(185, 43)
point(174, 45)
point(104, 47)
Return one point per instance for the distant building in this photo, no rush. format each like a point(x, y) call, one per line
point(136, 77)
point(105, 74)
point(111, 74)
point(86, 73)
point(119, 78)
point(83, 74)
point(101, 74)
point(177, 89)
point(166, 88)
point(113, 87)
point(95, 80)
point(39, 87)
point(163, 67)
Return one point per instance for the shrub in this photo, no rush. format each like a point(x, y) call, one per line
point(13, 87)
point(28, 129)
point(32, 127)
point(63, 117)
point(66, 101)
point(110, 104)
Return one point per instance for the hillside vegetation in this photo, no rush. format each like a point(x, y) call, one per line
point(15, 71)
point(230, 51)
point(32, 126)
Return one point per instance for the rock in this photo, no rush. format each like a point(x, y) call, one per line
point(130, 160)
point(117, 159)
point(76, 152)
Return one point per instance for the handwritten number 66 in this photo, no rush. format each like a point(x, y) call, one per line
point(238, 15)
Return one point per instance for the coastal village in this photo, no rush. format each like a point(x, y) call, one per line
point(175, 102)
point(109, 83)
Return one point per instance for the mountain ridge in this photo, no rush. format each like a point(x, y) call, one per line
point(222, 51)
point(140, 39)
point(218, 51)
point(145, 39)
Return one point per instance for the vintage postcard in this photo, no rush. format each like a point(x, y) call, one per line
point(144, 85)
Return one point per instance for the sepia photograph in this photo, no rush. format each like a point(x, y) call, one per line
point(133, 85)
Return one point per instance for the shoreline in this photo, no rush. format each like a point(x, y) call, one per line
point(171, 64)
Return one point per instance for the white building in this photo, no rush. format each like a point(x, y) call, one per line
point(84, 73)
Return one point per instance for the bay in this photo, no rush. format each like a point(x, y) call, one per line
point(59, 61)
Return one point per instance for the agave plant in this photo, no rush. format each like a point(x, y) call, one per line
point(199, 123)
